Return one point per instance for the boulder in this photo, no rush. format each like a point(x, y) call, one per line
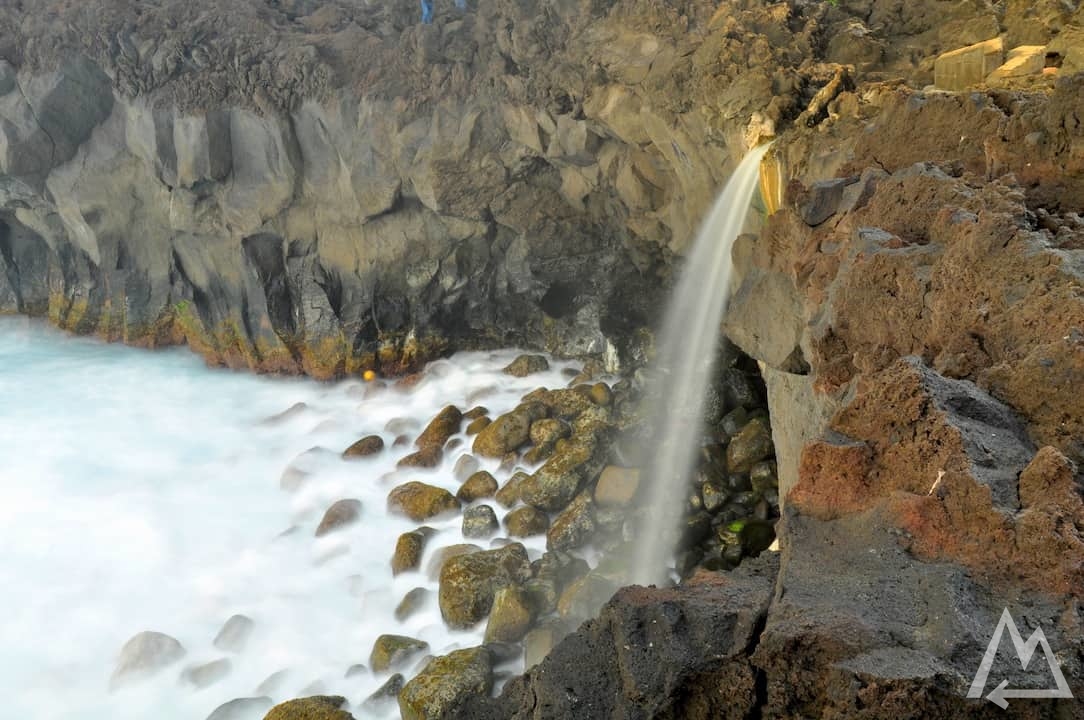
point(510, 617)
point(573, 526)
point(408, 550)
point(427, 457)
point(420, 502)
point(479, 485)
point(525, 365)
point(393, 651)
point(549, 430)
point(477, 425)
point(339, 515)
point(750, 446)
point(317, 707)
point(526, 521)
point(206, 674)
point(368, 445)
point(249, 708)
point(479, 522)
point(968, 66)
point(444, 554)
point(469, 582)
point(507, 433)
point(440, 428)
point(617, 486)
point(509, 494)
point(445, 683)
point(235, 634)
point(553, 485)
point(144, 655)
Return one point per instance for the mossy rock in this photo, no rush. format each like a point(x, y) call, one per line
point(468, 583)
point(318, 707)
point(479, 485)
point(419, 501)
point(507, 433)
point(479, 522)
point(445, 682)
point(574, 526)
point(549, 430)
point(509, 494)
point(427, 457)
point(440, 428)
point(477, 425)
point(553, 485)
point(443, 555)
point(408, 550)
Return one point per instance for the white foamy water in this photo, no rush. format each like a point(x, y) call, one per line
point(140, 491)
point(686, 361)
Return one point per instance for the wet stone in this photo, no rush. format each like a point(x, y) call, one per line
point(368, 445)
point(526, 521)
point(235, 634)
point(479, 485)
point(206, 674)
point(479, 522)
point(339, 515)
point(525, 365)
point(393, 651)
point(412, 602)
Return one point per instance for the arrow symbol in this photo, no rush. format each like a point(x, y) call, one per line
point(999, 695)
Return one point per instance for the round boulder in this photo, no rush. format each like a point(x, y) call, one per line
point(419, 501)
point(339, 515)
point(445, 682)
point(479, 485)
point(368, 445)
point(440, 428)
point(526, 521)
point(469, 582)
point(507, 433)
point(318, 707)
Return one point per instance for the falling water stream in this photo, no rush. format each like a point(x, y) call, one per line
point(685, 363)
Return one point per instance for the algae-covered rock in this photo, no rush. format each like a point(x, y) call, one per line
point(507, 433)
point(440, 428)
point(553, 485)
point(469, 582)
point(392, 651)
point(509, 494)
point(408, 550)
point(573, 527)
point(549, 430)
point(479, 485)
point(419, 501)
point(445, 682)
point(317, 707)
point(444, 554)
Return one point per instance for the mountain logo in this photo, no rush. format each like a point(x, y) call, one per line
point(1024, 651)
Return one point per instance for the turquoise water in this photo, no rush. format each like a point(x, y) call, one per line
point(141, 491)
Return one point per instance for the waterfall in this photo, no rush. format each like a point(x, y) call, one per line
point(685, 362)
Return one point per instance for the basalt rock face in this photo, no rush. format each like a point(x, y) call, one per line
point(326, 187)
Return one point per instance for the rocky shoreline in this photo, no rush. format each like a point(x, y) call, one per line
point(330, 188)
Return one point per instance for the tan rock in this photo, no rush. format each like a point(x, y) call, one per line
point(968, 66)
point(617, 486)
point(419, 501)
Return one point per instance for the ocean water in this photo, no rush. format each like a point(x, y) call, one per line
point(141, 491)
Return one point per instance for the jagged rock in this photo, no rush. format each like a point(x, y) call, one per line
point(393, 651)
point(235, 633)
point(445, 682)
point(469, 582)
point(420, 502)
point(368, 445)
point(339, 515)
point(144, 655)
point(318, 707)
